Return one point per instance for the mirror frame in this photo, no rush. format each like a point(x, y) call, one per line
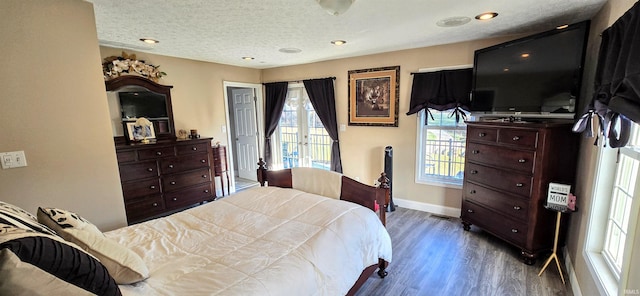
point(123, 81)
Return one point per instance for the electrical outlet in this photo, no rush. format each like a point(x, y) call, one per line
point(14, 159)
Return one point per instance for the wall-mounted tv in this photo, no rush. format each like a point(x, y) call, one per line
point(536, 76)
point(146, 104)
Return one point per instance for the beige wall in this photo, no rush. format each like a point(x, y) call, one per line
point(54, 108)
point(362, 148)
point(612, 10)
point(197, 96)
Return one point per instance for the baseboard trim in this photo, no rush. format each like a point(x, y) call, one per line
point(425, 207)
point(573, 279)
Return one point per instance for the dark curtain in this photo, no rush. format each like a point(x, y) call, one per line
point(275, 95)
point(322, 97)
point(441, 90)
point(616, 98)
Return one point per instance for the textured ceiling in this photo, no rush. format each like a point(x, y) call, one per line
point(224, 31)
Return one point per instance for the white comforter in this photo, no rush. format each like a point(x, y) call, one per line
point(262, 241)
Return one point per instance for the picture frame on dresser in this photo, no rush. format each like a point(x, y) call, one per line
point(136, 133)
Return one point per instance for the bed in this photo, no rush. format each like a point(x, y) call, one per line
point(309, 232)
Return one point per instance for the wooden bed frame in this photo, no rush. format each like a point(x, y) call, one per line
point(353, 191)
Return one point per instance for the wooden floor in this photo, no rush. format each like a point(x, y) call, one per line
point(434, 256)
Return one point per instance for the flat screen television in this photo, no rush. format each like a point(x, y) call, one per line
point(146, 104)
point(534, 76)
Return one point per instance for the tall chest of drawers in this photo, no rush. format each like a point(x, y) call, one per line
point(164, 177)
point(508, 167)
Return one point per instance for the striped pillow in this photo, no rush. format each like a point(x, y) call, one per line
point(13, 215)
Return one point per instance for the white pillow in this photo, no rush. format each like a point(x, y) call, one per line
point(125, 266)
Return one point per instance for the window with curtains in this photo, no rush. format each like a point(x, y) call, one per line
point(615, 211)
point(441, 149)
point(300, 138)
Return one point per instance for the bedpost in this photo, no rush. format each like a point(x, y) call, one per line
point(383, 200)
point(262, 172)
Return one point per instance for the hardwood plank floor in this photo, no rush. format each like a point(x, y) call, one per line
point(433, 255)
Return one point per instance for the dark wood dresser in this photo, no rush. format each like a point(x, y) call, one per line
point(163, 177)
point(508, 167)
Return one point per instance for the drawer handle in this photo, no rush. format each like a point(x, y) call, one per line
point(172, 182)
point(472, 192)
point(203, 160)
point(155, 204)
point(469, 210)
point(194, 148)
point(174, 199)
point(475, 151)
point(204, 176)
point(517, 208)
point(482, 135)
point(159, 153)
point(522, 160)
point(514, 230)
point(206, 191)
point(473, 172)
point(516, 138)
point(519, 185)
point(152, 187)
point(149, 170)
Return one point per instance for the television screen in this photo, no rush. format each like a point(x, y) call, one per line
point(142, 104)
point(536, 74)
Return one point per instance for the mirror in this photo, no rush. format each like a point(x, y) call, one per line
point(133, 96)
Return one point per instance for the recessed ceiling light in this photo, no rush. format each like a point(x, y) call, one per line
point(524, 55)
point(149, 40)
point(248, 58)
point(290, 50)
point(453, 21)
point(338, 42)
point(486, 16)
point(562, 27)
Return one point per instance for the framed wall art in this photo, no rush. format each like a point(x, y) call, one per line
point(373, 96)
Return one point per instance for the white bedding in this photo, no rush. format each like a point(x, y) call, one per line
point(262, 241)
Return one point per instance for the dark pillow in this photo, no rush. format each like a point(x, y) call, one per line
point(33, 263)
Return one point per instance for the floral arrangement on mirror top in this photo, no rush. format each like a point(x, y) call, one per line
point(114, 66)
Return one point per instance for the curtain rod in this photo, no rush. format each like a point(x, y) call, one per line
point(435, 69)
point(299, 81)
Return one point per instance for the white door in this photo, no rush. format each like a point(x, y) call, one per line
point(244, 111)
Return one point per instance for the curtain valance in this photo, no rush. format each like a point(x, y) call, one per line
point(616, 97)
point(441, 90)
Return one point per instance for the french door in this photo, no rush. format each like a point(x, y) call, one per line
point(301, 139)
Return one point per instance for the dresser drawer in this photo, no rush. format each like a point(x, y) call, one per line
point(145, 208)
point(184, 163)
point(178, 181)
point(193, 195)
point(192, 148)
point(518, 137)
point(505, 180)
point(156, 152)
point(138, 170)
point(126, 156)
point(133, 190)
point(521, 160)
point(481, 134)
point(513, 206)
point(502, 226)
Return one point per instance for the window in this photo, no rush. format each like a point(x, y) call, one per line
point(301, 139)
point(614, 214)
point(441, 149)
